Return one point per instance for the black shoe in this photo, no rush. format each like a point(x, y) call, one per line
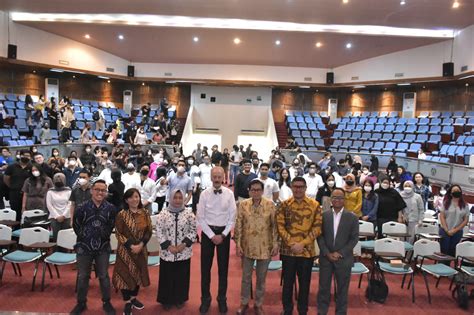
point(223, 307)
point(108, 308)
point(127, 310)
point(204, 308)
point(167, 307)
point(79, 308)
point(179, 306)
point(137, 304)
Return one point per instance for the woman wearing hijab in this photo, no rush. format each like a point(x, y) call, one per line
point(390, 205)
point(176, 233)
point(353, 196)
point(57, 202)
point(133, 230)
point(413, 212)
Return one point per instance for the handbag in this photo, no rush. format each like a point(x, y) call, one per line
point(377, 290)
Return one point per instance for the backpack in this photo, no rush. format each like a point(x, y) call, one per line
point(377, 290)
point(96, 116)
point(460, 292)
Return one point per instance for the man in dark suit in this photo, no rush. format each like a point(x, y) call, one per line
point(340, 234)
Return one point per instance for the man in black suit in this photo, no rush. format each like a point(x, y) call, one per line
point(340, 234)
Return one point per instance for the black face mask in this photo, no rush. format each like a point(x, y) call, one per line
point(144, 172)
point(456, 194)
point(59, 184)
point(24, 160)
point(349, 182)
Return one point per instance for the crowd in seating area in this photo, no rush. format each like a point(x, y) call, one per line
point(27, 120)
point(446, 137)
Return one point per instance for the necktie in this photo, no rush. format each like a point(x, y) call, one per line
point(218, 191)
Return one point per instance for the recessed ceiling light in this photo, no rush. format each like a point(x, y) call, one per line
point(455, 4)
point(352, 90)
point(424, 87)
point(143, 83)
point(385, 89)
point(73, 76)
point(349, 45)
point(317, 90)
point(403, 2)
point(108, 81)
point(34, 71)
point(345, 1)
point(319, 44)
point(121, 37)
point(467, 84)
point(236, 40)
point(195, 39)
point(87, 36)
point(277, 42)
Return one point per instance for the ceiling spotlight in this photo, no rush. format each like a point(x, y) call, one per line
point(467, 84)
point(121, 37)
point(108, 81)
point(277, 42)
point(349, 45)
point(455, 4)
point(34, 71)
point(143, 83)
point(424, 87)
point(385, 89)
point(319, 44)
point(195, 39)
point(403, 2)
point(345, 1)
point(73, 76)
point(87, 36)
point(236, 40)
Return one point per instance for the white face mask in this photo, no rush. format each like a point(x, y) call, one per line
point(190, 162)
point(181, 169)
point(72, 163)
point(82, 181)
point(442, 192)
point(365, 172)
point(88, 150)
point(367, 188)
point(331, 183)
point(385, 186)
point(407, 189)
point(36, 173)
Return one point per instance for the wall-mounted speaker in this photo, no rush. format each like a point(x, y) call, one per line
point(131, 71)
point(448, 69)
point(11, 51)
point(330, 78)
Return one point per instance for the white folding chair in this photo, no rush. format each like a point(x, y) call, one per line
point(465, 252)
point(7, 215)
point(113, 246)
point(66, 239)
point(394, 230)
point(394, 249)
point(153, 247)
point(28, 214)
point(28, 236)
point(5, 235)
point(366, 229)
point(358, 268)
point(424, 248)
point(426, 230)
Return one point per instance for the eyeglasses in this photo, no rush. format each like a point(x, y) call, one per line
point(337, 198)
point(103, 191)
point(298, 187)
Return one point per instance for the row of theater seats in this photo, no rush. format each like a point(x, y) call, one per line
point(447, 136)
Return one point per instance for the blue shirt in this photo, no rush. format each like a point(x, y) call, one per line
point(93, 226)
point(369, 207)
point(71, 175)
point(183, 183)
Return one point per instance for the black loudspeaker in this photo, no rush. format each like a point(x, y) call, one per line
point(11, 51)
point(131, 71)
point(448, 69)
point(330, 78)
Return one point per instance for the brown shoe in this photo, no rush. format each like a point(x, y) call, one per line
point(258, 310)
point(243, 309)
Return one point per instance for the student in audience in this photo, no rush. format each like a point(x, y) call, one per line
point(374, 164)
point(14, 178)
point(85, 135)
point(216, 155)
point(197, 153)
point(179, 180)
point(176, 233)
point(353, 196)
point(133, 230)
point(390, 207)
point(284, 183)
point(116, 190)
point(93, 223)
point(3, 115)
point(29, 108)
point(45, 134)
point(216, 216)
point(413, 213)
point(205, 172)
point(72, 171)
point(314, 181)
point(421, 154)
point(403, 175)
point(162, 190)
point(243, 180)
point(299, 224)
point(392, 167)
point(438, 199)
point(67, 122)
point(147, 189)
point(274, 173)
point(296, 170)
point(225, 165)
point(164, 106)
point(64, 102)
point(141, 137)
point(256, 241)
point(52, 114)
point(57, 201)
point(39, 159)
point(420, 188)
point(87, 157)
point(235, 161)
point(271, 189)
point(35, 188)
point(81, 192)
point(323, 196)
point(100, 123)
point(370, 202)
point(454, 215)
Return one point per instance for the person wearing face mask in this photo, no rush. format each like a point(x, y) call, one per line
point(324, 193)
point(141, 137)
point(413, 213)
point(314, 181)
point(179, 180)
point(370, 202)
point(453, 217)
point(57, 201)
point(438, 198)
point(131, 179)
point(81, 192)
point(147, 189)
point(35, 188)
point(205, 170)
point(390, 205)
point(392, 167)
point(39, 159)
point(88, 157)
point(364, 174)
point(79, 162)
point(71, 171)
point(106, 173)
point(56, 159)
point(296, 170)
point(284, 183)
point(194, 174)
point(271, 190)
point(116, 190)
point(15, 177)
point(45, 134)
point(157, 162)
point(353, 196)
point(420, 188)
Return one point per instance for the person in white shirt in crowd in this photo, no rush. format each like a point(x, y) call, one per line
point(413, 213)
point(313, 180)
point(284, 183)
point(131, 179)
point(304, 159)
point(141, 137)
point(271, 189)
point(216, 214)
point(205, 170)
point(57, 202)
point(234, 160)
point(106, 173)
point(100, 124)
point(161, 190)
point(255, 166)
point(179, 180)
point(296, 169)
point(421, 154)
point(194, 174)
point(147, 189)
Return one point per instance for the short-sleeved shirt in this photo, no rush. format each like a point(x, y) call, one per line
point(183, 183)
point(18, 175)
point(79, 196)
point(455, 215)
point(270, 187)
point(235, 157)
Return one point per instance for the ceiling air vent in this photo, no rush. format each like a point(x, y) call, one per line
point(464, 68)
point(110, 69)
point(168, 74)
point(308, 79)
point(354, 78)
point(399, 75)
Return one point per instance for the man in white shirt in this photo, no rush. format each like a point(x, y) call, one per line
point(313, 181)
point(271, 190)
point(216, 213)
point(235, 158)
point(255, 166)
point(147, 189)
point(205, 170)
point(131, 179)
point(106, 173)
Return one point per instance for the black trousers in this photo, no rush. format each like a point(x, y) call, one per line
point(161, 202)
point(16, 198)
point(292, 267)
point(84, 266)
point(129, 294)
point(173, 284)
point(380, 222)
point(207, 256)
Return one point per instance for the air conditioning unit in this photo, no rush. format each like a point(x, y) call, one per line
point(127, 101)
point(409, 105)
point(332, 108)
point(52, 89)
